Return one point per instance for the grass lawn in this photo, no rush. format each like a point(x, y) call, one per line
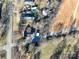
point(47, 51)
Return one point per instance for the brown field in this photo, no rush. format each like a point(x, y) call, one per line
point(65, 15)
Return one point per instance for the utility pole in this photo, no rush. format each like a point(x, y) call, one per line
point(9, 31)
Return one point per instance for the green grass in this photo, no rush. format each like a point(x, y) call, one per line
point(47, 51)
point(50, 48)
point(70, 43)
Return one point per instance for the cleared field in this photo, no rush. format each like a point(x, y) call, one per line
point(65, 15)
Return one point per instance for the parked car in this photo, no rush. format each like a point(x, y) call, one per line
point(29, 13)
